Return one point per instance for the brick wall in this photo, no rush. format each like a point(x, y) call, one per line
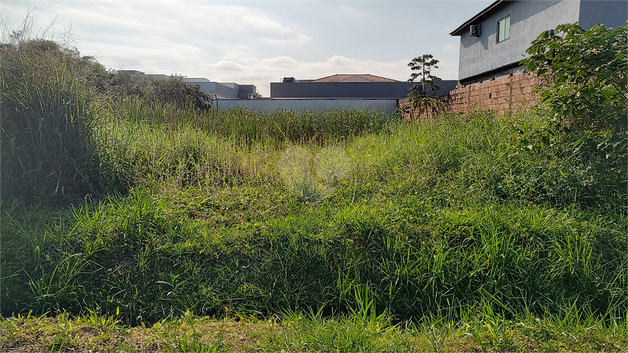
point(410, 113)
point(509, 93)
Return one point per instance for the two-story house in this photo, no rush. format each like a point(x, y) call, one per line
point(494, 41)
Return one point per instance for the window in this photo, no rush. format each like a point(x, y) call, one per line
point(503, 29)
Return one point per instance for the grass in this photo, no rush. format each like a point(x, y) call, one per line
point(410, 224)
point(47, 152)
point(308, 332)
point(348, 230)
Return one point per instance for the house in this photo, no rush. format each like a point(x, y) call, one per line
point(494, 41)
point(223, 90)
point(347, 86)
point(220, 90)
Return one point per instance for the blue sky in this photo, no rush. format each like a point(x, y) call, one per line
point(255, 41)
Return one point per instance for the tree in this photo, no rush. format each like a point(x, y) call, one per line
point(422, 92)
point(585, 73)
point(171, 91)
point(423, 66)
point(585, 91)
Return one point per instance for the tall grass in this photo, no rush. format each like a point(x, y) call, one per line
point(417, 222)
point(243, 125)
point(47, 109)
point(143, 153)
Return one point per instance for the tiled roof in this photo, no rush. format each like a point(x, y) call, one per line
point(353, 78)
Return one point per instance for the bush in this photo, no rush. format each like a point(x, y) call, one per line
point(586, 74)
point(172, 91)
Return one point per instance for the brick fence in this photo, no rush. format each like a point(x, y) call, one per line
point(509, 93)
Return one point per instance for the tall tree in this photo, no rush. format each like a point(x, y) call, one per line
point(421, 93)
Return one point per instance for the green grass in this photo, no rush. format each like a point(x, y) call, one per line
point(47, 150)
point(311, 333)
point(418, 215)
point(348, 230)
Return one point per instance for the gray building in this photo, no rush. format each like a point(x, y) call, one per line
point(348, 86)
point(223, 90)
point(220, 90)
point(494, 41)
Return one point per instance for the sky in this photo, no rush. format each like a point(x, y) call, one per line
point(253, 41)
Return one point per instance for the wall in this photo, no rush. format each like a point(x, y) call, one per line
point(512, 92)
point(339, 89)
point(386, 105)
point(611, 13)
point(528, 19)
point(375, 90)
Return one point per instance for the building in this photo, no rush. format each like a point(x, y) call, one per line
point(223, 90)
point(220, 90)
point(494, 41)
point(347, 86)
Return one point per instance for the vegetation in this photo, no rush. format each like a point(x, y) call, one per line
point(586, 94)
point(422, 67)
point(422, 93)
point(172, 91)
point(586, 75)
point(48, 110)
point(345, 230)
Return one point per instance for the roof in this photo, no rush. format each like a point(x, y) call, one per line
point(491, 9)
point(352, 78)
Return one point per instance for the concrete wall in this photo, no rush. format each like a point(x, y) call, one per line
point(528, 19)
point(385, 105)
point(392, 90)
point(246, 91)
point(207, 87)
point(613, 13)
point(224, 90)
point(227, 90)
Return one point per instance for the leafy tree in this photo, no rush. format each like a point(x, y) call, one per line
point(585, 73)
point(585, 91)
point(178, 93)
point(421, 93)
point(423, 66)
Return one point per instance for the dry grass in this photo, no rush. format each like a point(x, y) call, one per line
point(193, 334)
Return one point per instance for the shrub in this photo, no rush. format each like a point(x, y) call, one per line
point(586, 74)
point(171, 91)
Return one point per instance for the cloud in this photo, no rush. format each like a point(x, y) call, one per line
point(225, 66)
point(264, 23)
point(450, 48)
point(252, 42)
point(260, 72)
point(300, 39)
point(348, 13)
